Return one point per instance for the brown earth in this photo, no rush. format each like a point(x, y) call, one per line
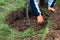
point(54, 33)
point(17, 19)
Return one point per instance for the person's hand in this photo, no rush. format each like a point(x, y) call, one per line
point(40, 19)
point(51, 9)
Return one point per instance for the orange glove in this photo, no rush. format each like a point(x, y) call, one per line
point(40, 19)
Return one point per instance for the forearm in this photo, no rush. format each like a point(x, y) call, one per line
point(35, 7)
point(51, 3)
point(36, 2)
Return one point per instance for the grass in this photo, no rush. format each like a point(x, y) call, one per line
point(9, 5)
point(8, 33)
point(58, 1)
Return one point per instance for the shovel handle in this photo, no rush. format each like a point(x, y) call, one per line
point(27, 15)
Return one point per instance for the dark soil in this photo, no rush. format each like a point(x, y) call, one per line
point(17, 19)
point(54, 33)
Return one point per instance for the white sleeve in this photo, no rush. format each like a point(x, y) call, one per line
point(50, 2)
point(36, 2)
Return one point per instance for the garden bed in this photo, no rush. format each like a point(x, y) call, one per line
point(17, 19)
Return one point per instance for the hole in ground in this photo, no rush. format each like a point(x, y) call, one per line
point(17, 19)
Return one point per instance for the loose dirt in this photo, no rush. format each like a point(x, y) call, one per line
point(17, 19)
point(54, 33)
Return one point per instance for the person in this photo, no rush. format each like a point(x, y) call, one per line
point(35, 8)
